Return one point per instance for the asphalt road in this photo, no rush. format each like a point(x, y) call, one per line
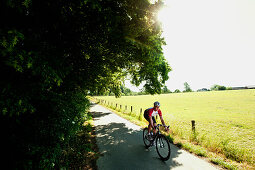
point(122, 148)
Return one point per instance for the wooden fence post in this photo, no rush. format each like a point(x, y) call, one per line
point(140, 116)
point(193, 125)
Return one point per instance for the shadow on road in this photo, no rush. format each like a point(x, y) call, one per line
point(123, 148)
point(97, 115)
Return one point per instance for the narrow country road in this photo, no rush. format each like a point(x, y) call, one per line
point(122, 148)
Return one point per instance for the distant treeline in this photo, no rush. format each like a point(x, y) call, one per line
point(127, 92)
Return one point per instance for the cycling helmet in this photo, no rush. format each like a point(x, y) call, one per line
point(156, 104)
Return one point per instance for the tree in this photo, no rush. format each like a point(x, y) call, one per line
point(55, 53)
point(218, 87)
point(187, 87)
point(177, 91)
point(214, 87)
point(165, 90)
point(222, 88)
point(126, 91)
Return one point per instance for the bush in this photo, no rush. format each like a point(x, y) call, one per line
point(229, 88)
point(222, 88)
point(218, 87)
point(36, 140)
point(177, 91)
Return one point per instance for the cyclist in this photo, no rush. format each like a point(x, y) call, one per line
point(149, 115)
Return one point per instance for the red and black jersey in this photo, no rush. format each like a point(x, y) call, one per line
point(152, 112)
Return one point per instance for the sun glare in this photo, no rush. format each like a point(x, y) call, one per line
point(163, 17)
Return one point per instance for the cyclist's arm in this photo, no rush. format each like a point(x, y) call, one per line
point(162, 120)
point(150, 117)
point(151, 122)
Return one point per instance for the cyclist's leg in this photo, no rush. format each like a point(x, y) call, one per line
point(151, 126)
point(154, 124)
point(146, 116)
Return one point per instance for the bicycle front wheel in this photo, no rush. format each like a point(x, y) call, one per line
point(146, 141)
point(163, 147)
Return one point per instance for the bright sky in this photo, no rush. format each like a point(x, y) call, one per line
point(209, 42)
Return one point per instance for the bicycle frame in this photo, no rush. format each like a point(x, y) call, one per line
point(158, 132)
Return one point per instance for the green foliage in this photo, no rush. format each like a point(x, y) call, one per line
point(126, 91)
point(165, 90)
point(55, 53)
point(187, 87)
point(229, 88)
point(177, 91)
point(37, 139)
point(218, 87)
point(81, 150)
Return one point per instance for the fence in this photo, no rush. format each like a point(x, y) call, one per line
point(118, 107)
point(121, 108)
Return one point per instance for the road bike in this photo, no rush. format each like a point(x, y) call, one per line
point(162, 143)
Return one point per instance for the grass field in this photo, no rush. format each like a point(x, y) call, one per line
point(225, 120)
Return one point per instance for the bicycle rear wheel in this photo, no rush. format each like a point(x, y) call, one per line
point(146, 141)
point(163, 147)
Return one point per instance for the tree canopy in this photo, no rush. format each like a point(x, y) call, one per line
point(187, 87)
point(218, 87)
point(54, 53)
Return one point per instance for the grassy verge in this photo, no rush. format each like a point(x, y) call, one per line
point(192, 144)
point(82, 151)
